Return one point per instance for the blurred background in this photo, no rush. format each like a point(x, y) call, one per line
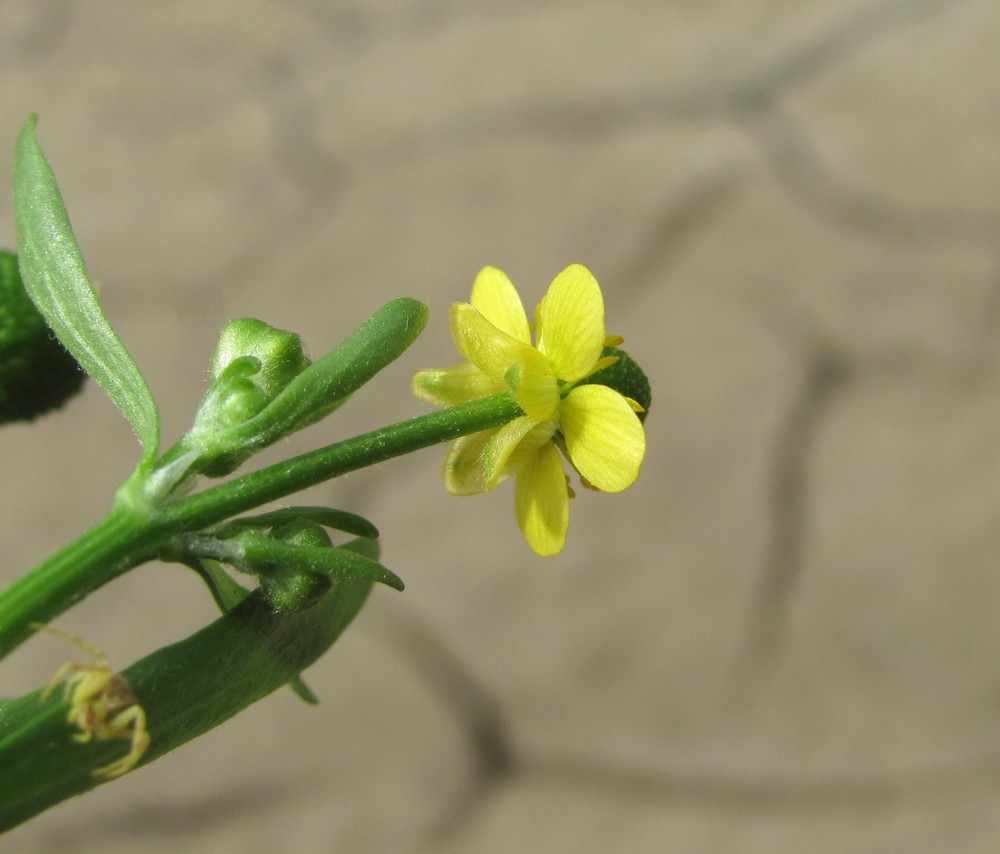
point(784, 637)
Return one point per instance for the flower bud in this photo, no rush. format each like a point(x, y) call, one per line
point(293, 588)
point(253, 362)
point(279, 353)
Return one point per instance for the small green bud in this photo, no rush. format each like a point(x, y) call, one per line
point(253, 362)
point(302, 532)
point(232, 400)
point(278, 352)
point(293, 589)
point(288, 590)
point(626, 377)
point(37, 374)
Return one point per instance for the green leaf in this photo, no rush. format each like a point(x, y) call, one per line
point(56, 279)
point(338, 520)
point(226, 592)
point(258, 552)
point(380, 340)
point(186, 689)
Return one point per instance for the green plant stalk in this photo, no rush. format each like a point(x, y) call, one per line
point(277, 481)
point(102, 553)
point(130, 535)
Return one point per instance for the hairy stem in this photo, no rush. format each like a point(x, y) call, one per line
point(282, 479)
point(111, 547)
point(132, 535)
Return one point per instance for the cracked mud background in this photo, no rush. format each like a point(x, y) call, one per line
point(784, 638)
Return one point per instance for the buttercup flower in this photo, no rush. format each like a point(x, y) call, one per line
point(595, 426)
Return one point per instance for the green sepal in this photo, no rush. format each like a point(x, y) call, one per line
point(37, 374)
point(286, 585)
point(186, 689)
point(56, 279)
point(232, 398)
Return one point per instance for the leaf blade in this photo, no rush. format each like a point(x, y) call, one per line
point(55, 277)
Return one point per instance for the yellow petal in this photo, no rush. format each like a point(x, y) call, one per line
point(541, 501)
point(604, 437)
point(454, 385)
point(534, 384)
point(498, 449)
point(490, 349)
point(463, 471)
point(571, 323)
point(496, 299)
point(540, 434)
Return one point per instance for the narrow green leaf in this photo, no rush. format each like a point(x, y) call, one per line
point(380, 340)
point(186, 689)
point(226, 592)
point(338, 563)
point(338, 520)
point(56, 279)
point(303, 691)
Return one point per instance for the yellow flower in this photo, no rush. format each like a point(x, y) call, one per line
point(595, 426)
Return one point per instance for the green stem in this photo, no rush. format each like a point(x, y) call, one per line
point(282, 479)
point(129, 537)
point(108, 549)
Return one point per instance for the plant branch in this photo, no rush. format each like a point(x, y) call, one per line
point(130, 535)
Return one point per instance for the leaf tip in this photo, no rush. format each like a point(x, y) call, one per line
point(26, 136)
point(390, 579)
